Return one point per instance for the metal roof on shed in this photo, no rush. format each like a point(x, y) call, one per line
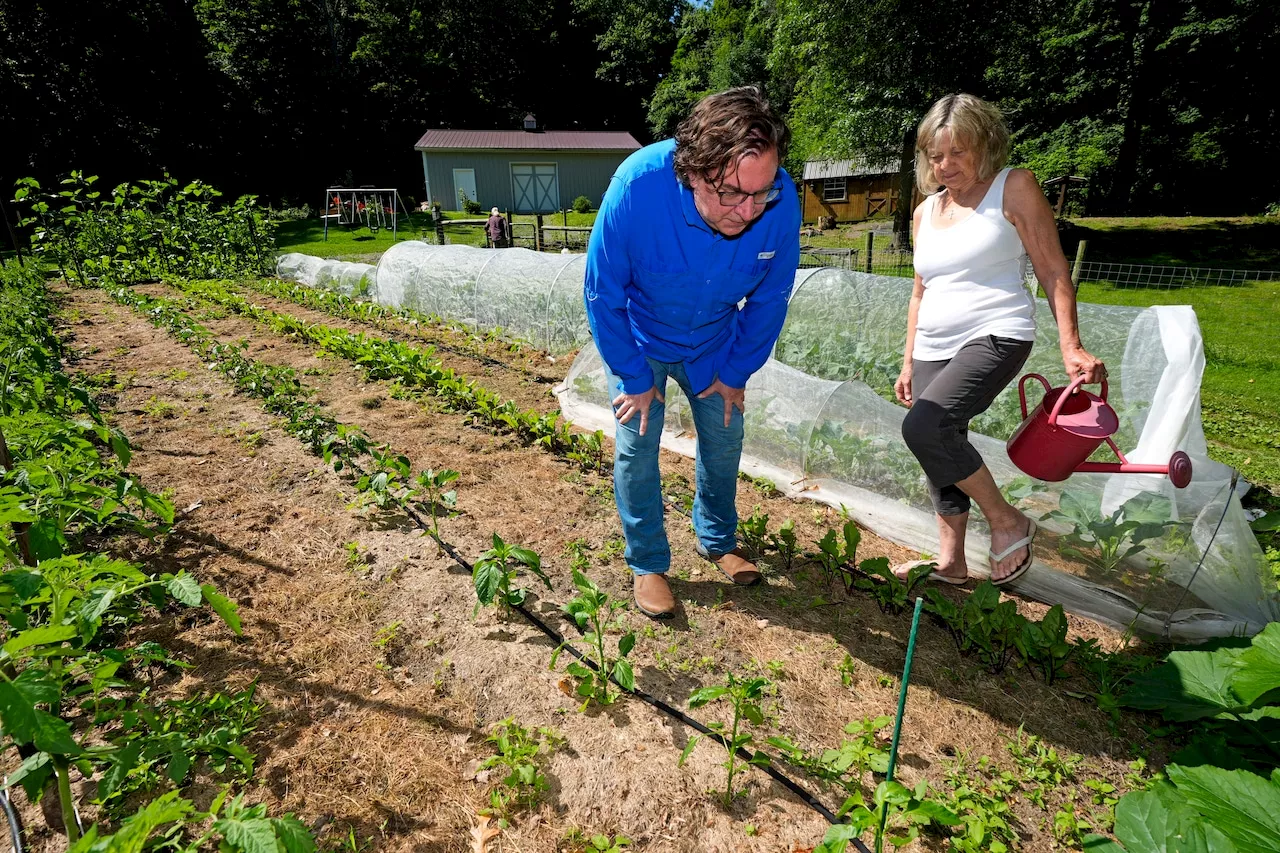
point(817, 169)
point(499, 140)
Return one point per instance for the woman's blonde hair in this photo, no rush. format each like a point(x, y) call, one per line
point(973, 123)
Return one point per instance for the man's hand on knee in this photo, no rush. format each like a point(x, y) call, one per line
point(625, 406)
point(733, 397)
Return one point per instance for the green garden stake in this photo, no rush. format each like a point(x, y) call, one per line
point(902, 707)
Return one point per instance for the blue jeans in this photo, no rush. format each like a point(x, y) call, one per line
point(637, 486)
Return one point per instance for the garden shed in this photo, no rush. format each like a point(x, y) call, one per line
point(850, 190)
point(524, 171)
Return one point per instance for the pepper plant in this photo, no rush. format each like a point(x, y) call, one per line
point(593, 612)
point(496, 571)
point(744, 695)
point(438, 502)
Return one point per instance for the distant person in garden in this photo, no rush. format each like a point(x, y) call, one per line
point(971, 320)
point(497, 228)
point(689, 228)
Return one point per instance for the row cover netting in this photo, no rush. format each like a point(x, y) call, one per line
point(821, 425)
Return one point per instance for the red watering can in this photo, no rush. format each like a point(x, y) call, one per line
point(1058, 437)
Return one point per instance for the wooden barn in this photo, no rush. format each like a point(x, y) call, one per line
point(850, 190)
point(525, 171)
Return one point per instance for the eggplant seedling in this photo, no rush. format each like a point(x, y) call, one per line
point(495, 574)
point(593, 611)
point(745, 696)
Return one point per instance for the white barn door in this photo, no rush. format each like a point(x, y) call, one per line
point(464, 181)
point(535, 187)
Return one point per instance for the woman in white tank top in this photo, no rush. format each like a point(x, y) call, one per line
point(971, 319)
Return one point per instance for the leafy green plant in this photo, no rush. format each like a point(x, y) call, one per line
point(1201, 808)
point(1044, 645)
point(147, 230)
point(438, 502)
point(235, 827)
point(986, 821)
point(1043, 769)
point(1231, 692)
point(1106, 541)
point(496, 571)
point(517, 754)
point(835, 552)
point(784, 542)
point(846, 765)
point(593, 612)
point(982, 625)
point(890, 593)
point(582, 204)
point(172, 737)
point(1107, 673)
point(904, 811)
point(753, 533)
point(744, 695)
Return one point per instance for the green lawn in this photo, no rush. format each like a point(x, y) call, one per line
point(1238, 242)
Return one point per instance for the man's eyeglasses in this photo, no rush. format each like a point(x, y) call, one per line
point(733, 198)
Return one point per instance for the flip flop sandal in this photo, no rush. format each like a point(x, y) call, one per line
point(1024, 542)
point(900, 571)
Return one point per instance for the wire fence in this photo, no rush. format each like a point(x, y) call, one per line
point(1159, 277)
point(880, 261)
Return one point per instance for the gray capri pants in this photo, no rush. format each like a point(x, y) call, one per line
point(946, 395)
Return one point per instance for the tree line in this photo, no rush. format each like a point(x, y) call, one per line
point(1165, 105)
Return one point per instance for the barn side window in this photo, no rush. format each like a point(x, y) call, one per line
point(833, 189)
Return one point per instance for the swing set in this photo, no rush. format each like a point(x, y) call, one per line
point(371, 207)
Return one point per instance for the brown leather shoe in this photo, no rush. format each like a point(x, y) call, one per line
point(737, 567)
point(653, 596)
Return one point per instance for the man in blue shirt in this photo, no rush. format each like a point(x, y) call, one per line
point(689, 269)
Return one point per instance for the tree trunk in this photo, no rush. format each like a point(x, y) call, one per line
point(906, 190)
point(1146, 26)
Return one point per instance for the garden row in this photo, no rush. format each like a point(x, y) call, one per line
point(71, 702)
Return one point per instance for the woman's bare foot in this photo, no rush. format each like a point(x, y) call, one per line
point(1002, 537)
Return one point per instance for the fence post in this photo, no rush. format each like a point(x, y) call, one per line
point(1076, 267)
point(537, 233)
point(871, 242)
point(437, 216)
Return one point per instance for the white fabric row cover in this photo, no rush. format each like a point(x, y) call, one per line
point(821, 425)
point(347, 278)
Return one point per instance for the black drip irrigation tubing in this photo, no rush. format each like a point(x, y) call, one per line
point(15, 827)
point(778, 776)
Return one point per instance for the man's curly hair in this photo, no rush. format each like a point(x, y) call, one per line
point(724, 127)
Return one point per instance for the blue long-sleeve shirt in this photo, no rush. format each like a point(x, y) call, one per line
point(661, 283)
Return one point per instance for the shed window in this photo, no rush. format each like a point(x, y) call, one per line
point(834, 189)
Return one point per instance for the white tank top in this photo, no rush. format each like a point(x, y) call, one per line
point(973, 274)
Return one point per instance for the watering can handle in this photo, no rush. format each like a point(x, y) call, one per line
point(1022, 390)
point(1071, 389)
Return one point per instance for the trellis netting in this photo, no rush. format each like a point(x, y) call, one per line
point(821, 425)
